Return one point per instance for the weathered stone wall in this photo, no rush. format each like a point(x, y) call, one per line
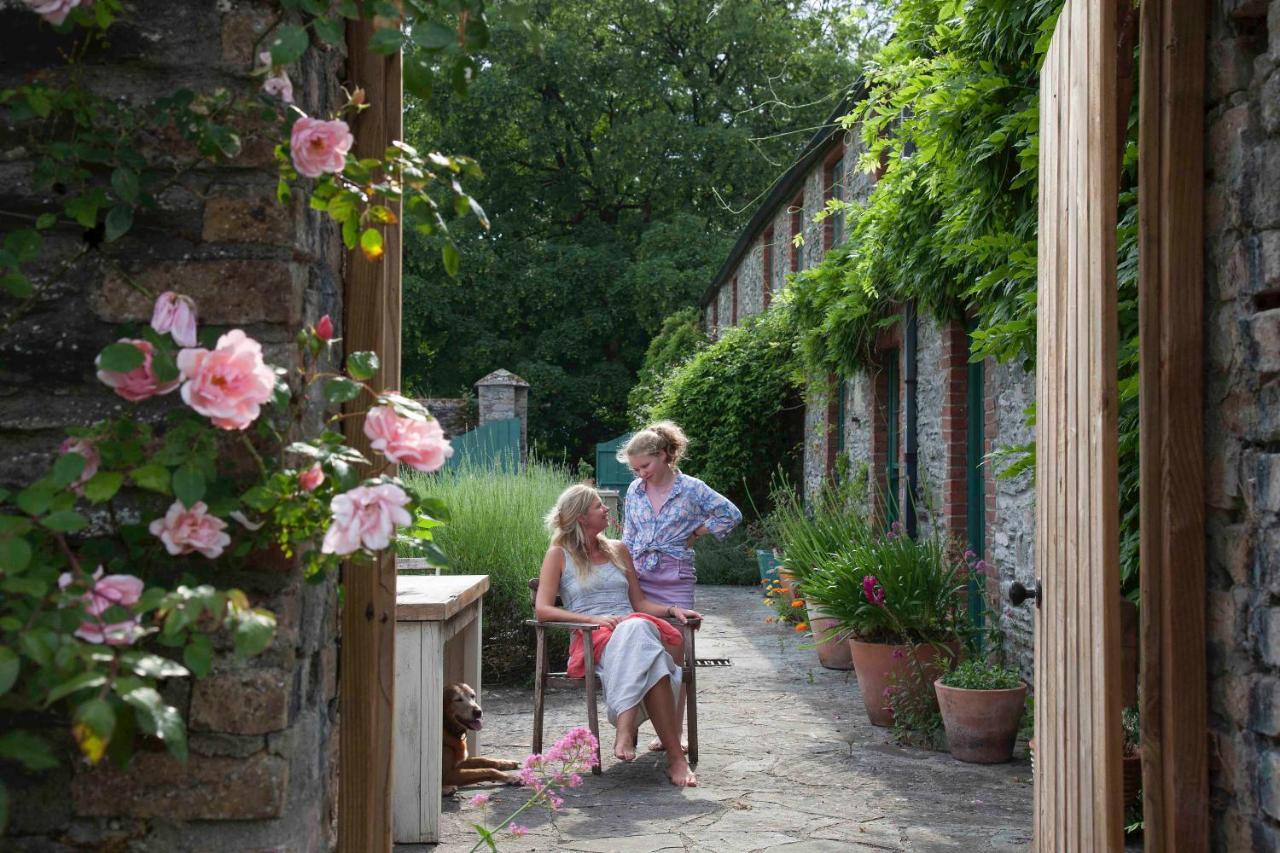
point(455, 414)
point(816, 399)
point(858, 423)
point(261, 775)
point(1242, 422)
point(932, 454)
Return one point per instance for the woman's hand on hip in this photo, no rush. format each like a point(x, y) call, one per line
point(696, 535)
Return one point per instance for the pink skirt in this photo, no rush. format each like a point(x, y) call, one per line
point(671, 582)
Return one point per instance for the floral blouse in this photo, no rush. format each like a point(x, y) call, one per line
point(691, 505)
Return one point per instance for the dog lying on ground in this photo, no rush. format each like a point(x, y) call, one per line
point(462, 714)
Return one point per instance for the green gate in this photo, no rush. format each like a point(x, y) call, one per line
point(610, 473)
point(493, 445)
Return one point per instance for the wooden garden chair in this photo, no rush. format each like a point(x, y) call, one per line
point(544, 679)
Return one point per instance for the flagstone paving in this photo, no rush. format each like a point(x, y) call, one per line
point(788, 763)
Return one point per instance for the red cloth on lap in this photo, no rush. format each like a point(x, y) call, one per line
point(577, 667)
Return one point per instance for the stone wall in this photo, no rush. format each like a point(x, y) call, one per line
point(263, 743)
point(1242, 422)
point(933, 449)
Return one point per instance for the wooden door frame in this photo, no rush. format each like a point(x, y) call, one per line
point(371, 303)
point(1174, 676)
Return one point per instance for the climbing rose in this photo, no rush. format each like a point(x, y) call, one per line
point(109, 591)
point(55, 11)
point(416, 443)
point(89, 452)
point(175, 314)
point(311, 478)
point(230, 384)
point(184, 531)
point(140, 383)
point(319, 146)
point(872, 590)
point(365, 516)
point(324, 328)
point(277, 83)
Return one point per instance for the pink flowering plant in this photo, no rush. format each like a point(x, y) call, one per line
point(544, 776)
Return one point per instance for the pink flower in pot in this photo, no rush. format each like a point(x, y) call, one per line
point(872, 590)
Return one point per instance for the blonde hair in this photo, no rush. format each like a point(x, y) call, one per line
point(654, 440)
point(566, 531)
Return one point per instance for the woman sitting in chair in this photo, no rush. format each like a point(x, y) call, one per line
point(596, 583)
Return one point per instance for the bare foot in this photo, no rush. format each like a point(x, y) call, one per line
point(624, 746)
point(655, 745)
point(681, 775)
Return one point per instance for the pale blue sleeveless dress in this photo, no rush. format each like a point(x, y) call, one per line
point(635, 659)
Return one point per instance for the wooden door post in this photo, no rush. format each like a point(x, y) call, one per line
point(372, 322)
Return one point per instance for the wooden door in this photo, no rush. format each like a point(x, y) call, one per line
point(1077, 778)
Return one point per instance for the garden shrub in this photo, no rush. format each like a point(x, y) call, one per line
point(727, 562)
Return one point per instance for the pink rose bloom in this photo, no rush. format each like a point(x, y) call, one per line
point(176, 315)
point(278, 82)
point(86, 449)
point(320, 146)
point(230, 384)
point(186, 531)
point(55, 11)
point(311, 478)
point(122, 590)
point(140, 383)
point(409, 441)
point(365, 516)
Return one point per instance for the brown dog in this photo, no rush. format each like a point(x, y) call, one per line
point(461, 715)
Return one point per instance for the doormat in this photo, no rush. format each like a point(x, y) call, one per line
point(714, 662)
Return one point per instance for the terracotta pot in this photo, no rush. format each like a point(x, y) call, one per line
point(1132, 775)
point(833, 653)
point(788, 584)
point(982, 725)
point(878, 666)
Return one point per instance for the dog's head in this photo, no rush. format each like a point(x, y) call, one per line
point(461, 707)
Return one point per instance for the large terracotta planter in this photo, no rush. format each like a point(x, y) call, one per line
point(878, 665)
point(982, 725)
point(833, 653)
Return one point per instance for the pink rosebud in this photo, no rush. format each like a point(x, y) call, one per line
point(176, 315)
point(55, 11)
point(108, 592)
point(185, 531)
point(324, 328)
point(481, 799)
point(230, 384)
point(89, 452)
point(277, 82)
point(366, 516)
point(311, 478)
point(517, 830)
point(319, 146)
point(140, 383)
point(417, 443)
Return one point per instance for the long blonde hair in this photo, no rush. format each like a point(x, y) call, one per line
point(654, 440)
point(564, 525)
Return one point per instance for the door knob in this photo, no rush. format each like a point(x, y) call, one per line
point(1019, 593)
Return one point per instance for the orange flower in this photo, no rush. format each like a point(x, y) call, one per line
point(799, 602)
point(801, 627)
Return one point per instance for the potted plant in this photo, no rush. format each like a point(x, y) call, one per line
point(982, 706)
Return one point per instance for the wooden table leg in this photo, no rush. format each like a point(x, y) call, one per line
point(470, 640)
point(418, 732)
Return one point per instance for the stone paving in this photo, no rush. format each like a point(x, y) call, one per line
point(788, 763)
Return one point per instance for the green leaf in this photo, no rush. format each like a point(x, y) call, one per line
point(157, 718)
point(83, 681)
point(433, 36)
point(164, 365)
point(23, 244)
point(15, 554)
point(289, 45)
point(66, 521)
point(39, 644)
point(254, 631)
point(102, 486)
point(418, 76)
point(452, 260)
point(16, 285)
point(125, 183)
point(120, 358)
point(84, 208)
point(99, 716)
point(348, 9)
point(35, 499)
point(9, 667)
point(371, 244)
point(198, 655)
point(153, 477)
point(153, 666)
point(188, 484)
point(330, 31)
point(46, 220)
point(387, 40)
point(119, 221)
point(28, 749)
point(362, 365)
point(341, 390)
point(67, 469)
point(315, 7)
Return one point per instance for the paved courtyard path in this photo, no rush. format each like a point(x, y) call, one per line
point(788, 763)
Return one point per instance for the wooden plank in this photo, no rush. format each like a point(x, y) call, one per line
point(435, 598)
point(406, 812)
point(1171, 176)
point(371, 322)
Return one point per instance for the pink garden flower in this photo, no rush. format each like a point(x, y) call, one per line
point(311, 478)
point(89, 452)
point(55, 11)
point(176, 315)
point(277, 83)
point(517, 830)
point(230, 384)
point(366, 516)
point(481, 799)
point(872, 590)
point(140, 383)
point(186, 531)
point(319, 146)
point(107, 592)
point(409, 441)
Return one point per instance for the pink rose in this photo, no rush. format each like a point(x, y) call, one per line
point(324, 328)
point(277, 83)
point(185, 531)
point(113, 590)
point(140, 383)
point(89, 452)
point(311, 478)
point(365, 516)
point(230, 384)
point(320, 146)
point(416, 443)
point(175, 314)
point(55, 11)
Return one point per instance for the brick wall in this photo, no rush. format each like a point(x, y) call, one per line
point(263, 743)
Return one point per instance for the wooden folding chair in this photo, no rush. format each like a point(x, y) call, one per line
point(544, 679)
